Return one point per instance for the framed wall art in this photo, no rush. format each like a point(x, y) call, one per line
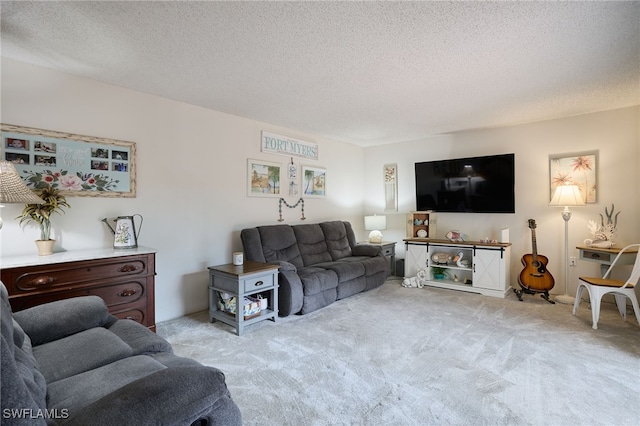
point(263, 178)
point(390, 176)
point(576, 169)
point(314, 181)
point(292, 179)
point(77, 165)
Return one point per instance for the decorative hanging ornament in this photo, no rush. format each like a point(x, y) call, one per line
point(283, 201)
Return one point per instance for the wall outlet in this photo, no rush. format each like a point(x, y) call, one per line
point(572, 261)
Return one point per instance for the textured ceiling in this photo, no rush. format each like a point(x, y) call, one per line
point(361, 72)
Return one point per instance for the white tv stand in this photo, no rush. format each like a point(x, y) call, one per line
point(487, 271)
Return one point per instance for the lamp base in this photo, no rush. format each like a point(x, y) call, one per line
point(375, 237)
point(565, 299)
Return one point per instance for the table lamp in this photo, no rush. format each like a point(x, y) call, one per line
point(375, 224)
point(12, 188)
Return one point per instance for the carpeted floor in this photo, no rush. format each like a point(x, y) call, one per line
point(407, 356)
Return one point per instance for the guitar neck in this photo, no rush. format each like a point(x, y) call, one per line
point(534, 245)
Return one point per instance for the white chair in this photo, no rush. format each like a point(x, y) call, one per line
point(598, 287)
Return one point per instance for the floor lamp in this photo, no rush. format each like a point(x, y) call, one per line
point(566, 196)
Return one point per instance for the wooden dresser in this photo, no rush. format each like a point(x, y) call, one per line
point(124, 279)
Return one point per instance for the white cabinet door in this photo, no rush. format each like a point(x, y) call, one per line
point(488, 269)
point(416, 259)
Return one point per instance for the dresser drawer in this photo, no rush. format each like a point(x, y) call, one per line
point(55, 276)
point(114, 295)
point(133, 314)
point(263, 282)
point(600, 256)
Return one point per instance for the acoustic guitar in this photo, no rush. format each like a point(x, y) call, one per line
point(535, 277)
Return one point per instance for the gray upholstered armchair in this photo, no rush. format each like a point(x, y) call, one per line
point(71, 362)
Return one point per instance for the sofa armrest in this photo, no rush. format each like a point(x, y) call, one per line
point(290, 293)
point(62, 318)
point(366, 250)
point(284, 265)
point(173, 396)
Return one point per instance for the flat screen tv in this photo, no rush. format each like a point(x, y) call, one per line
point(472, 185)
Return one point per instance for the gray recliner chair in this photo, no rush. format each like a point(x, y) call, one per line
point(70, 362)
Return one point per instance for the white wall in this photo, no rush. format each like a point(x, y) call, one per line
point(615, 134)
point(191, 180)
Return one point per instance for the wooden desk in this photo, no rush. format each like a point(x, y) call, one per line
point(605, 256)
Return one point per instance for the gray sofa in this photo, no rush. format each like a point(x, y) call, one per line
point(71, 362)
point(319, 263)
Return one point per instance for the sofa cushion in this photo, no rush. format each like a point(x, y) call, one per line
point(336, 237)
point(315, 280)
point(279, 243)
point(312, 244)
point(52, 321)
point(80, 352)
point(137, 336)
point(171, 396)
point(79, 390)
point(371, 265)
point(346, 271)
point(349, 288)
point(316, 301)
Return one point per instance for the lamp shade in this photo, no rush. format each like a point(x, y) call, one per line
point(12, 188)
point(567, 195)
point(375, 223)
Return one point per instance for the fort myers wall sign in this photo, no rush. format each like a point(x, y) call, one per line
point(284, 145)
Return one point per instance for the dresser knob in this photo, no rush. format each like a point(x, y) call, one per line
point(128, 268)
point(43, 280)
point(126, 293)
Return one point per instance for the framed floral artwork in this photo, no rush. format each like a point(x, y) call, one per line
point(314, 181)
point(579, 169)
point(390, 176)
point(263, 178)
point(76, 165)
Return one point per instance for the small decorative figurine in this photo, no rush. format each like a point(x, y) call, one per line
point(440, 258)
point(456, 236)
point(417, 281)
point(603, 235)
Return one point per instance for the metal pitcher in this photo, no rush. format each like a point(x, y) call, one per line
point(124, 234)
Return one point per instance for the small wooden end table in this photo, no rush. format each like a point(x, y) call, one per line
point(240, 281)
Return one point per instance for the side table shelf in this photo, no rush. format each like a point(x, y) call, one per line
point(240, 281)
